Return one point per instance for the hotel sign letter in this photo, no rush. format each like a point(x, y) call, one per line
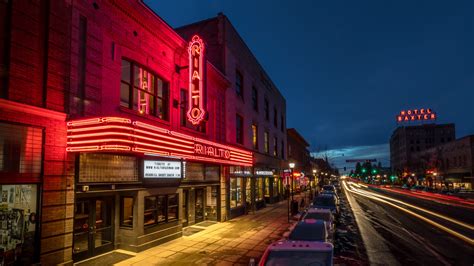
point(196, 102)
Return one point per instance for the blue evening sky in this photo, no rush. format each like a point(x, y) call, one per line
point(346, 68)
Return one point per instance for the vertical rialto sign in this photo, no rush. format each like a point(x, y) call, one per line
point(196, 110)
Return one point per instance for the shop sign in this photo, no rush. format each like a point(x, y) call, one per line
point(416, 115)
point(264, 172)
point(162, 169)
point(211, 151)
point(240, 171)
point(196, 103)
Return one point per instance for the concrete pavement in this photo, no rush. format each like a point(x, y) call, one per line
point(233, 242)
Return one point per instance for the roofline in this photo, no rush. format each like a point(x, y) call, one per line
point(298, 135)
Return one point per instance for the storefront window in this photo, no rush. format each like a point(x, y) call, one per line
point(211, 203)
point(267, 187)
point(235, 192)
point(248, 190)
point(172, 207)
point(126, 210)
point(275, 186)
point(17, 222)
point(160, 209)
point(259, 189)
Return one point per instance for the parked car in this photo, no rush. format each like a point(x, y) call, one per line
point(329, 188)
point(331, 193)
point(326, 201)
point(324, 215)
point(298, 253)
point(309, 230)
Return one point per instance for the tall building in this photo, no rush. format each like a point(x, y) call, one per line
point(406, 140)
point(255, 115)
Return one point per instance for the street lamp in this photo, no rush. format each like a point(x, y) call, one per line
point(292, 165)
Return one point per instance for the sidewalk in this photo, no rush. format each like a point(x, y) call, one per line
point(233, 242)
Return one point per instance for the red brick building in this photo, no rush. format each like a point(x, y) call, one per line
point(255, 115)
point(98, 146)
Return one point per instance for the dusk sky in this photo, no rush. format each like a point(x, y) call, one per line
point(346, 68)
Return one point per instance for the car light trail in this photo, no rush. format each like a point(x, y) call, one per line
point(442, 227)
point(468, 226)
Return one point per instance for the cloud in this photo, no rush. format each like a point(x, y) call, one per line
point(338, 157)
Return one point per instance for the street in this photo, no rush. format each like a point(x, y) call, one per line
point(399, 229)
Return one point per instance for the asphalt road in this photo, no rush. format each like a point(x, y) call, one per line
point(402, 230)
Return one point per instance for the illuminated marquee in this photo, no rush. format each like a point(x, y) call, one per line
point(416, 115)
point(196, 110)
point(123, 134)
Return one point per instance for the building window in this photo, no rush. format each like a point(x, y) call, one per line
point(267, 142)
point(255, 136)
point(282, 154)
point(183, 109)
point(235, 192)
point(160, 209)
point(20, 151)
point(282, 123)
point(255, 99)
point(259, 189)
point(126, 212)
point(267, 111)
point(275, 117)
point(143, 91)
point(239, 133)
point(239, 84)
point(275, 147)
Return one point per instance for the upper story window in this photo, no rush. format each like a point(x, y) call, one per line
point(255, 136)
point(255, 99)
point(183, 107)
point(275, 146)
point(282, 153)
point(275, 117)
point(267, 111)
point(267, 142)
point(239, 132)
point(239, 84)
point(282, 123)
point(143, 91)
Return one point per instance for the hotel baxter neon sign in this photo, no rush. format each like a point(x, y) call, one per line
point(196, 110)
point(123, 134)
point(416, 115)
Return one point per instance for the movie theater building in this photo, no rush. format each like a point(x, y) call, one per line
point(146, 141)
point(255, 116)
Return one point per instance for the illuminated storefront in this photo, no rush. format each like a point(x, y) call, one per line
point(155, 181)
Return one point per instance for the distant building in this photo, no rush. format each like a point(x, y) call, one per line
point(449, 164)
point(407, 140)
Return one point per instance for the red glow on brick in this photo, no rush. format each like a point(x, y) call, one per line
point(121, 134)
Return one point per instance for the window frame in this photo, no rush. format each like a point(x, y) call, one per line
point(239, 86)
point(254, 98)
point(156, 98)
point(266, 106)
point(239, 134)
point(122, 225)
point(255, 136)
point(165, 209)
point(266, 139)
point(275, 117)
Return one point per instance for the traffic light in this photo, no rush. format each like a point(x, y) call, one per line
point(374, 171)
point(364, 170)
